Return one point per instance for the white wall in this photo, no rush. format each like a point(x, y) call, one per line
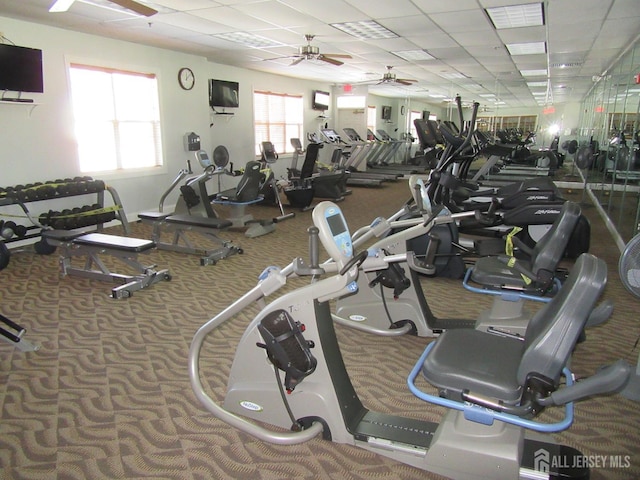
point(38, 143)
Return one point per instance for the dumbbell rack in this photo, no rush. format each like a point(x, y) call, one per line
point(54, 190)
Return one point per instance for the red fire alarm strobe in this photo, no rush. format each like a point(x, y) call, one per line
point(637, 78)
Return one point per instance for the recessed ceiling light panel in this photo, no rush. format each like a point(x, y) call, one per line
point(365, 30)
point(516, 16)
point(530, 48)
point(413, 55)
point(534, 73)
point(248, 39)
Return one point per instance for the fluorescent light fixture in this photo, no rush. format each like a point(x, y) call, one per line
point(536, 84)
point(530, 48)
point(487, 95)
point(248, 39)
point(539, 94)
point(534, 73)
point(515, 16)
point(61, 6)
point(500, 103)
point(413, 55)
point(437, 95)
point(365, 30)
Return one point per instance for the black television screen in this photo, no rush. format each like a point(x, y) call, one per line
point(223, 93)
point(320, 100)
point(21, 69)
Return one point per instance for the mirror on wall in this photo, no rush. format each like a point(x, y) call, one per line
point(609, 122)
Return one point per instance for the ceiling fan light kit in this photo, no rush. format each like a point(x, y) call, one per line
point(312, 52)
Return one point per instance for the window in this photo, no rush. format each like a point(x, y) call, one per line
point(413, 115)
point(352, 102)
point(371, 119)
point(278, 117)
point(117, 118)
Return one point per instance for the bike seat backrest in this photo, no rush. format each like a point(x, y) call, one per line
point(554, 330)
point(249, 185)
point(269, 154)
point(336, 156)
point(548, 252)
point(310, 159)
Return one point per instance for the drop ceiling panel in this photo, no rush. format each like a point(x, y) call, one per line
point(195, 24)
point(431, 6)
point(433, 40)
point(378, 9)
point(409, 26)
point(331, 11)
point(522, 35)
point(277, 14)
point(464, 21)
point(186, 5)
point(566, 12)
point(475, 39)
point(235, 20)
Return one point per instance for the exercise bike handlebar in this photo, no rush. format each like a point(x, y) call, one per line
point(181, 175)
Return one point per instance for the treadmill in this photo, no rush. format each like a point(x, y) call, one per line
point(355, 179)
point(393, 146)
point(369, 149)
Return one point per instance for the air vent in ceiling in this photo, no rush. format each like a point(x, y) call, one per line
point(566, 64)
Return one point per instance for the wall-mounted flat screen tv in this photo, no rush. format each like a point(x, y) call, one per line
point(21, 69)
point(320, 100)
point(386, 112)
point(223, 93)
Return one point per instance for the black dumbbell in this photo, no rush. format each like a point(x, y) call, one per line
point(20, 231)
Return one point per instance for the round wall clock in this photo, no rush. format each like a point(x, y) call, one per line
point(186, 78)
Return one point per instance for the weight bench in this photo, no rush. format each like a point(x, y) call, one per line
point(76, 243)
point(180, 225)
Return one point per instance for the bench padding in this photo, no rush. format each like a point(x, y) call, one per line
point(218, 223)
point(114, 242)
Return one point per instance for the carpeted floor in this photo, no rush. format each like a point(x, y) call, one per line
point(108, 396)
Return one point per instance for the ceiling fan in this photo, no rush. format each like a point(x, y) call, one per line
point(137, 7)
point(311, 52)
point(390, 77)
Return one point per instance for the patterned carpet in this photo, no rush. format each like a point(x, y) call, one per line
point(108, 396)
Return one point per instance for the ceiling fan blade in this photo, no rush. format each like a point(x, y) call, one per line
point(296, 61)
point(405, 81)
point(137, 7)
point(337, 55)
point(330, 60)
